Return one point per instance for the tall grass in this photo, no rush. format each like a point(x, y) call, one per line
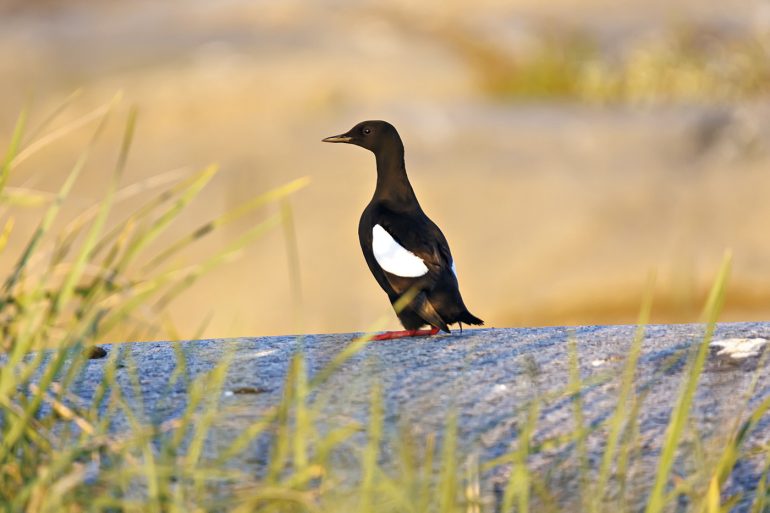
point(60, 452)
point(73, 287)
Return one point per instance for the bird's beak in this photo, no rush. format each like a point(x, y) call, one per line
point(342, 138)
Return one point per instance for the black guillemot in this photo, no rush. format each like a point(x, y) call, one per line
point(405, 250)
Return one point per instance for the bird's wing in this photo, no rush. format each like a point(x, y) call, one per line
point(410, 247)
point(393, 257)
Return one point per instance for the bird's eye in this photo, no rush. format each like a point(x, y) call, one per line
point(367, 130)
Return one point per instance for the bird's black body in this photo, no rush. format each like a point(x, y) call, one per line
point(394, 207)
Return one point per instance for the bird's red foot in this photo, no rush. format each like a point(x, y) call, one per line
point(390, 335)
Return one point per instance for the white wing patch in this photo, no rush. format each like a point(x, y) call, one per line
point(393, 257)
point(454, 269)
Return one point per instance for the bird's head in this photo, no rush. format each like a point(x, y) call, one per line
point(372, 135)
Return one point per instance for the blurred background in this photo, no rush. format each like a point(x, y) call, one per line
point(567, 148)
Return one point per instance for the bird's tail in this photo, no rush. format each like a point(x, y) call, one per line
point(428, 313)
point(469, 318)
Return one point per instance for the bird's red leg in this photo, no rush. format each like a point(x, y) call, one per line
point(390, 335)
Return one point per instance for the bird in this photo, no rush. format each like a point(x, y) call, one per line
point(405, 251)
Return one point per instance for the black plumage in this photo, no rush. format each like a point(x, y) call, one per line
point(394, 207)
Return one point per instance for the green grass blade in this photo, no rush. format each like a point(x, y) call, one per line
point(76, 225)
point(16, 430)
point(731, 452)
point(34, 133)
point(42, 142)
point(371, 454)
point(627, 452)
point(23, 197)
point(618, 419)
point(73, 277)
point(13, 148)
point(5, 234)
point(424, 492)
point(447, 485)
point(165, 219)
point(281, 443)
point(52, 212)
point(575, 387)
point(121, 304)
point(332, 440)
point(517, 491)
point(230, 252)
point(227, 218)
point(242, 441)
point(359, 343)
point(302, 417)
point(762, 493)
point(292, 255)
point(681, 412)
point(214, 383)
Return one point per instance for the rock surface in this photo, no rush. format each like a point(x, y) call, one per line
point(490, 376)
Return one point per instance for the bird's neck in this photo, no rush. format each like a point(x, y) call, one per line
point(393, 185)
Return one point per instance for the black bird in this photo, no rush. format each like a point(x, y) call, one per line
point(404, 249)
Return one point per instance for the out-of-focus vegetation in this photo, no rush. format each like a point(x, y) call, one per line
point(565, 150)
point(687, 64)
point(677, 62)
point(69, 289)
point(85, 282)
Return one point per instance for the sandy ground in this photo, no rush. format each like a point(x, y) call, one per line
point(555, 212)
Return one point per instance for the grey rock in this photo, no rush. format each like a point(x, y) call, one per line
point(489, 377)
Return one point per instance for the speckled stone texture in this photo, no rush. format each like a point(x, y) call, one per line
point(489, 375)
